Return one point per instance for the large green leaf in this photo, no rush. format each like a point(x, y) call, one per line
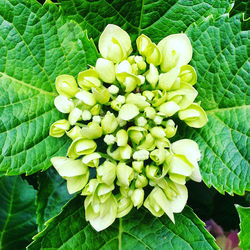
point(138, 230)
point(51, 196)
point(154, 18)
point(17, 213)
point(244, 235)
point(36, 45)
point(221, 60)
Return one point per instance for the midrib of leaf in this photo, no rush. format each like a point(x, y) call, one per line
point(28, 86)
point(9, 213)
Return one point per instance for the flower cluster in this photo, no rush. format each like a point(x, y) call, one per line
point(120, 122)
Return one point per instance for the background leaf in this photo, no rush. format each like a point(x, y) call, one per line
point(17, 213)
point(51, 196)
point(244, 235)
point(36, 45)
point(241, 6)
point(132, 231)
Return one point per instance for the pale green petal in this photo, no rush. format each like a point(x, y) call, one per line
point(138, 100)
point(125, 152)
point(169, 108)
point(148, 143)
point(66, 85)
point(58, 128)
point(63, 104)
point(101, 94)
point(74, 116)
point(122, 137)
point(86, 97)
point(194, 116)
point(176, 50)
point(128, 112)
point(92, 131)
point(124, 174)
point(91, 160)
point(67, 167)
point(141, 181)
point(106, 70)
point(158, 155)
point(124, 206)
point(180, 165)
point(152, 75)
point(137, 197)
point(106, 173)
point(158, 132)
point(74, 133)
point(177, 178)
point(109, 123)
point(88, 79)
point(114, 43)
point(122, 67)
point(138, 166)
point(167, 80)
point(77, 183)
point(188, 74)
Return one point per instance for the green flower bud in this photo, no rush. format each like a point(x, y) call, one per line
point(170, 129)
point(150, 112)
point(95, 110)
point(86, 115)
point(187, 94)
point(153, 172)
point(142, 79)
point(124, 206)
point(97, 213)
point(144, 45)
point(159, 97)
point(137, 197)
point(167, 81)
point(140, 121)
point(148, 94)
point(88, 79)
point(97, 119)
point(158, 132)
point(176, 50)
point(138, 100)
point(92, 131)
point(125, 152)
point(158, 155)
point(113, 89)
point(63, 104)
point(157, 203)
point(131, 59)
point(194, 116)
point(58, 128)
point(106, 173)
point(114, 43)
point(128, 112)
point(135, 69)
point(158, 120)
point(129, 81)
point(104, 191)
point(169, 108)
point(66, 85)
point(188, 74)
point(114, 154)
point(81, 146)
point(109, 123)
point(86, 97)
point(101, 94)
point(90, 188)
point(74, 171)
point(74, 133)
point(91, 160)
point(109, 139)
point(106, 70)
point(122, 137)
point(190, 150)
point(74, 116)
point(162, 143)
point(141, 155)
point(152, 75)
point(141, 181)
point(116, 104)
point(138, 166)
point(155, 56)
point(137, 134)
point(148, 143)
point(140, 63)
point(125, 174)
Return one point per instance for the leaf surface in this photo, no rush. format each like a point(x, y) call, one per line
point(51, 196)
point(36, 45)
point(17, 213)
point(244, 235)
point(132, 231)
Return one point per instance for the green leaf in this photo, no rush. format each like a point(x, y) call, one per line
point(17, 214)
point(154, 18)
point(132, 231)
point(36, 45)
point(241, 6)
point(222, 62)
point(52, 195)
point(244, 235)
